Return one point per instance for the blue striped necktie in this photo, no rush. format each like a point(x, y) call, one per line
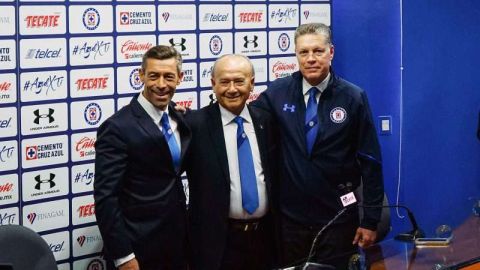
point(170, 138)
point(311, 119)
point(248, 179)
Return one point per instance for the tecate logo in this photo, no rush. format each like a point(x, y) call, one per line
point(96, 83)
point(248, 17)
point(42, 21)
point(86, 210)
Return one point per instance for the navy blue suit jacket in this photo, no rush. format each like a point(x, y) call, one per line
point(139, 197)
point(346, 150)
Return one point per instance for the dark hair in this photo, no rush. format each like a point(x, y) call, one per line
point(162, 52)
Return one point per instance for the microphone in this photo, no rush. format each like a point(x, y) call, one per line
point(409, 236)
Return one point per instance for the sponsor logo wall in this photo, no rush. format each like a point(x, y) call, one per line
point(66, 66)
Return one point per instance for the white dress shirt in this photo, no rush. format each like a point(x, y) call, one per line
point(156, 114)
point(321, 86)
point(230, 137)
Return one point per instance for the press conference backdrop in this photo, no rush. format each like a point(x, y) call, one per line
point(66, 66)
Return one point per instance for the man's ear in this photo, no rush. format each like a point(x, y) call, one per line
point(180, 77)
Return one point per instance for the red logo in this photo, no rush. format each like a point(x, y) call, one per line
point(124, 18)
point(134, 46)
point(92, 83)
point(85, 143)
point(7, 187)
point(31, 217)
point(86, 210)
point(31, 152)
point(185, 103)
point(280, 66)
point(81, 240)
point(246, 17)
point(5, 86)
point(42, 21)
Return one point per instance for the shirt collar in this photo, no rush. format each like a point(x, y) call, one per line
point(152, 111)
point(321, 86)
point(227, 116)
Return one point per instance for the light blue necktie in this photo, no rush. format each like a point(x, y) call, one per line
point(170, 138)
point(311, 119)
point(248, 180)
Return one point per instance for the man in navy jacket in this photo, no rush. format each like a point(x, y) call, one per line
point(139, 199)
point(329, 146)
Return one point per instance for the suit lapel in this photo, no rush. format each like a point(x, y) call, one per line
point(260, 133)
point(146, 123)
point(300, 121)
point(215, 128)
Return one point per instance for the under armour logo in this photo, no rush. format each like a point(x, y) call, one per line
point(250, 41)
point(212, 98)
point(49, 115)
point(44, 181)
point(287, 107)
point(178, 45)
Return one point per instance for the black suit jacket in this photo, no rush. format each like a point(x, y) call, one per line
point(139, 198)
point(209, 180)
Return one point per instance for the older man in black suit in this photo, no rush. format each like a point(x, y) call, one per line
point(139, 198)
point(230, 171)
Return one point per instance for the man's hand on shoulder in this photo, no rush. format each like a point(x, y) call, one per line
point(364, 237)
point(130, 265)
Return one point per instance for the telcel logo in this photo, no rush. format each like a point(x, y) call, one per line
point(56, 247)
point(43, 54)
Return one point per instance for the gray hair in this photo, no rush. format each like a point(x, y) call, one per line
point(233, 55)
point(314, 28)
point(162, 52)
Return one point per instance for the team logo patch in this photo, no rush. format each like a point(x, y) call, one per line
point(283, 42)
point(91, 18)
point(93, 113)
point(338, 115)
point(134, 78)
point(215, 45)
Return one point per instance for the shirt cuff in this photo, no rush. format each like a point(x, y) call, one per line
point(123, 260)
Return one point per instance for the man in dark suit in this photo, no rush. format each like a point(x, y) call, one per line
point(230, 171)
point(329, 145)
point(139, 199)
